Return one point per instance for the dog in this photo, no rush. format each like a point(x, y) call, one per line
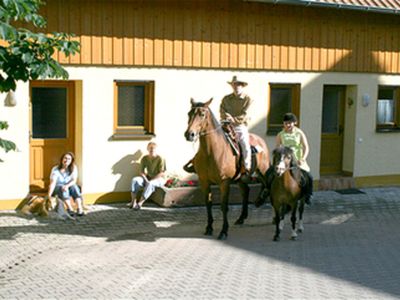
point(43, 205)
point(37, 205)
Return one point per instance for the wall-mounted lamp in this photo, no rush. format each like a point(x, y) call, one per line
point(11, 99)
point(366, 99)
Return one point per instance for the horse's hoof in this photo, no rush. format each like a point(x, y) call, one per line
point(208, 232)
point(259, 202)
point(222, 236)
point(239, 221)
point(293, 238)
point(276, 238)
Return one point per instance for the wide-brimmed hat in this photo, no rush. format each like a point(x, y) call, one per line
point(235, 80)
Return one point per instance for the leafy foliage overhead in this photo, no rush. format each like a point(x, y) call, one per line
point(27, 55)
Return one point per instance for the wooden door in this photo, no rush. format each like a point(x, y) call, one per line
point(332, 129)
point(52, 120)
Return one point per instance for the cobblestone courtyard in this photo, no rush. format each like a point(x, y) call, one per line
point(349, 250)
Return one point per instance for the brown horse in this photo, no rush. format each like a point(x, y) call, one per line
point(215, 162)
point(285, 190)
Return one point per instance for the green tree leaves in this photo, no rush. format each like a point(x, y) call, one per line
point(5, 144)
point(28, 55)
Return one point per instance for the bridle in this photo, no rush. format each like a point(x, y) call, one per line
point(287, 167)
point(204, 132)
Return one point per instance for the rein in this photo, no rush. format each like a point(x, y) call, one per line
point(210, 131)
point(287, 169)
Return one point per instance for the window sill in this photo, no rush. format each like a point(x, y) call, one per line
point(273, 131)
point(387, 129)
point(131, 137)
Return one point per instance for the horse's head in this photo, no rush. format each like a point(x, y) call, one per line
point(199, 118)
point(283, 159)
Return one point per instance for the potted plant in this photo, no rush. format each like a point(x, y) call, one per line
point(181, 192)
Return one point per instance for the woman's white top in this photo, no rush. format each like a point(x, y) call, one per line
point(63, 178)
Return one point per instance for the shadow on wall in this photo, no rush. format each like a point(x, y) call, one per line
point(127, 167)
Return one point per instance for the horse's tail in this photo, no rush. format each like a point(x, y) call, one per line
point(263, 159)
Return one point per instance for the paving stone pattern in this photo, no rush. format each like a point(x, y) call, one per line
point(349, 250)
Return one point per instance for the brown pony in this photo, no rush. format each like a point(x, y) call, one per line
point(285, 190)
point(215, 162)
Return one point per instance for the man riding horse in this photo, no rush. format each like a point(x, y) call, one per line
point(234, 109)
point(233, 112)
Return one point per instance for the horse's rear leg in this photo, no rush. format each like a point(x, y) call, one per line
point(210, 219)
point(224, 189)
point(244, 190)
point(300, 227)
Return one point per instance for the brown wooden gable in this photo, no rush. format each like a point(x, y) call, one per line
point(376, 6)
point(227, 34)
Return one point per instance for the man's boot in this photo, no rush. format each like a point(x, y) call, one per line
point(189, 167)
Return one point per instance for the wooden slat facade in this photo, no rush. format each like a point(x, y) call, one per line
point(227, 34)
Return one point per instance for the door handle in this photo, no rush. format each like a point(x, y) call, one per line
point(341, 129)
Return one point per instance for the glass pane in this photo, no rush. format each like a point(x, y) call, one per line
point(385, 111)
point(281, 103)
point(385, 93)
point(330, 111)
point(131, 100)
point(385, 107)
point(49, 113)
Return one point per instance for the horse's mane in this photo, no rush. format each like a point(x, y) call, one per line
point(214, 119)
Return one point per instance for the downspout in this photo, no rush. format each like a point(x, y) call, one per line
point(331, 5)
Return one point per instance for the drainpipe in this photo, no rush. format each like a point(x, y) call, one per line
point(314, 3)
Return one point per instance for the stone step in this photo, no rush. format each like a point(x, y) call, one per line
point(336, 183)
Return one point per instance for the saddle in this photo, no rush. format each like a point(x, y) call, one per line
point(233, 141)
point(231, 137)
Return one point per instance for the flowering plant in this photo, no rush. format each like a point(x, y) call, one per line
point(174, 181)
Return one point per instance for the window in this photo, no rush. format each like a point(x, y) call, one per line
point(388, 108)
point(133, 109)
point(49, 112)
point(283, 98)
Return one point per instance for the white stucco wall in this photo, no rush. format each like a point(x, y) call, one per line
point(108, 165)
point(376, 153)
point(14, 171)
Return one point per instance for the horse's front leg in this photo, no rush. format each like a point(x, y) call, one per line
point(224, 189)
point(277, 220)
point(244, 190)
point(293, 219)
point(208, 202)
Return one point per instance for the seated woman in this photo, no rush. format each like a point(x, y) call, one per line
point(63, 179)
point(152, 175)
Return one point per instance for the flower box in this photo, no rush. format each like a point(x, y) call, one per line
point(192, 196)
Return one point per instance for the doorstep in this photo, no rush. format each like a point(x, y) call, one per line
point(336, 182)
